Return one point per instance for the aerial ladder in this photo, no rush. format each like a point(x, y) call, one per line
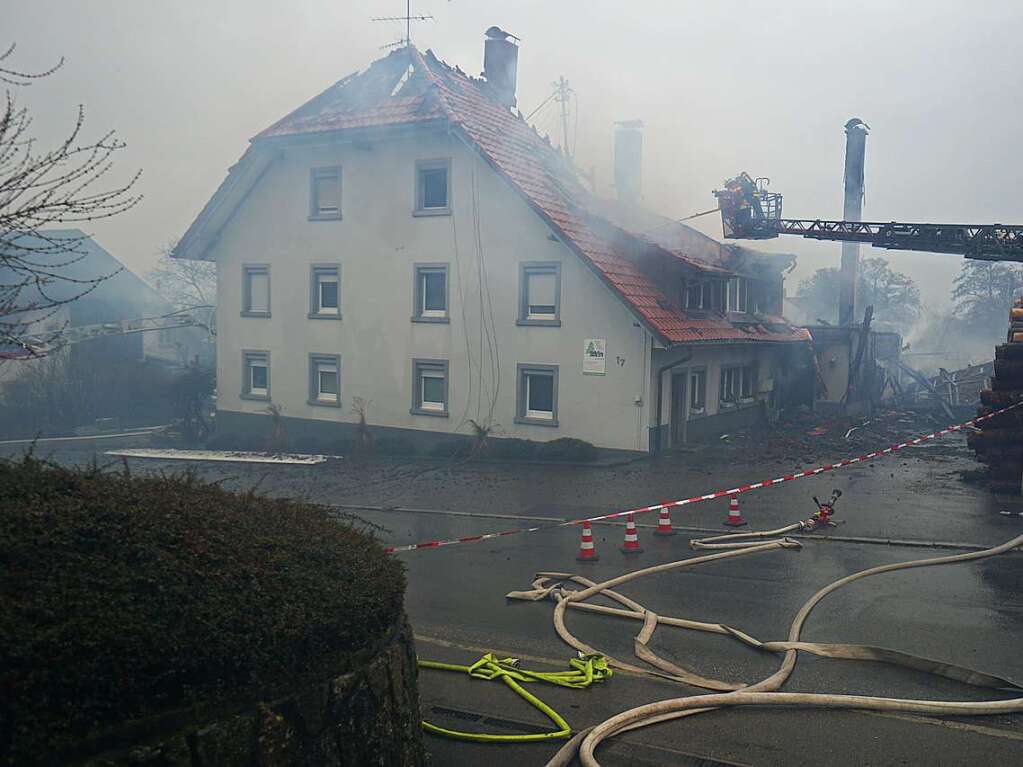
point(44, 343)
point(749, 211)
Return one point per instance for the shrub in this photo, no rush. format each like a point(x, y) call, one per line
point(510, 448)
point(566, 449)
point(128, 596)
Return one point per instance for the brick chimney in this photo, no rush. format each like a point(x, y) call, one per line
point(501, 64)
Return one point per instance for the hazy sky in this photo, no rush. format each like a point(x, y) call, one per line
point(721, 87)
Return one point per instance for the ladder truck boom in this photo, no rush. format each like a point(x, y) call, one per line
point(38, 344)
point(750, 212)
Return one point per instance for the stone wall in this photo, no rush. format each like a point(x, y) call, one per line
point(365, 717)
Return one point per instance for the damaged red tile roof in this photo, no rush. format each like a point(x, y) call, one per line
point(408, 87)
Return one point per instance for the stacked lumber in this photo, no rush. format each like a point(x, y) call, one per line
point(999, 444)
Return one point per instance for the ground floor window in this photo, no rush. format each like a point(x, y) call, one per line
point(325, 380)
point(430, 387)
point(697, 392)
point(747, 385)
point(738, 384)
point(256, 375)
point(538, 395)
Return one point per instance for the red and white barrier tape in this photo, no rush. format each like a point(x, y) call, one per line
point(708, 496)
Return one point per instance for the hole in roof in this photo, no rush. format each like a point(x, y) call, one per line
point(401, 82)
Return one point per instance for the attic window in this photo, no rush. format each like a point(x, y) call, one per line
point(401, 82)
point(325, 194)
point(540, 293)
point(433, 187)
point(740, 296)
point(699, 295)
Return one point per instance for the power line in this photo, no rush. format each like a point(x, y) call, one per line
point(543, 103)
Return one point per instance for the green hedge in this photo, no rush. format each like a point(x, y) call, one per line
point(128, 596)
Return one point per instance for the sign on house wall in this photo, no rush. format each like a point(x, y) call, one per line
point(594, 356)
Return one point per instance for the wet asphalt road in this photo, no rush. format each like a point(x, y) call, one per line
point(970, 614)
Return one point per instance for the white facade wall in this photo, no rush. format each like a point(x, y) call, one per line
point(377, 243)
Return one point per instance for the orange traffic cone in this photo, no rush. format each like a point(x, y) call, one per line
point(734, 517)
point(664, 523)
point(586, 551)
point(631, 544)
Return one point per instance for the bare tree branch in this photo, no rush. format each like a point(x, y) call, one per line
point(40, 190)
point(189, 286)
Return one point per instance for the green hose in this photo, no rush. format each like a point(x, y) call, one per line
point(584, 671)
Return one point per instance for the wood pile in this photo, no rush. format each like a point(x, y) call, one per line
point(999, 444)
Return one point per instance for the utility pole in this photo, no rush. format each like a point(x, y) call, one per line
point(562, 96)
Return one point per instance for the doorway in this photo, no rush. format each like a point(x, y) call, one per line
point(678, 408)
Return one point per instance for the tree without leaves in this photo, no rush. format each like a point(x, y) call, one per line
point(39, 190)
point(894, 295)
point(189, 285)
point(983, 293)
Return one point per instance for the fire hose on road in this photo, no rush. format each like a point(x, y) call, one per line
point(764, 692)
point(745, 540)
point(583, 672)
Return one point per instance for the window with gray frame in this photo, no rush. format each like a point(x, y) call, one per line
point(256, 290)
point(433, 187)
point(325, 194)
point(431, 293)
point(325, 380)
point(256, 375)
point(430, 387)
point(537, 400)
point(325, 291)
point(540, 293)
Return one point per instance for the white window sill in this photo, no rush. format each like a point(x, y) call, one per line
point(431, 318)
point(324, 315)
point(551, 322)
point(251, 313)
point(255, 395)
point(324, 402)
point(427, 212)
point(535, 421)
point(429, 412)
point(325, 216)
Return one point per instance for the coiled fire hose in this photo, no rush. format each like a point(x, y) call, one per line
point(763, 692)
point(584, 671)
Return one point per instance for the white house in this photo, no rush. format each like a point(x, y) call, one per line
point(404, 244)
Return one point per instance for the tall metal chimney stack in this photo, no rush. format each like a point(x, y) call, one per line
point(501, 64)
point(855, 152)
point(629, 160)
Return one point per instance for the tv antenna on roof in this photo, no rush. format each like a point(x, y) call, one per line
point(408, 18)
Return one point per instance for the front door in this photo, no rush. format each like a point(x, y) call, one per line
point(678, 409)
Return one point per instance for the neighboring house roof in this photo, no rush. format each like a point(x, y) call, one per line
point(407, 87)
point(98, 286)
